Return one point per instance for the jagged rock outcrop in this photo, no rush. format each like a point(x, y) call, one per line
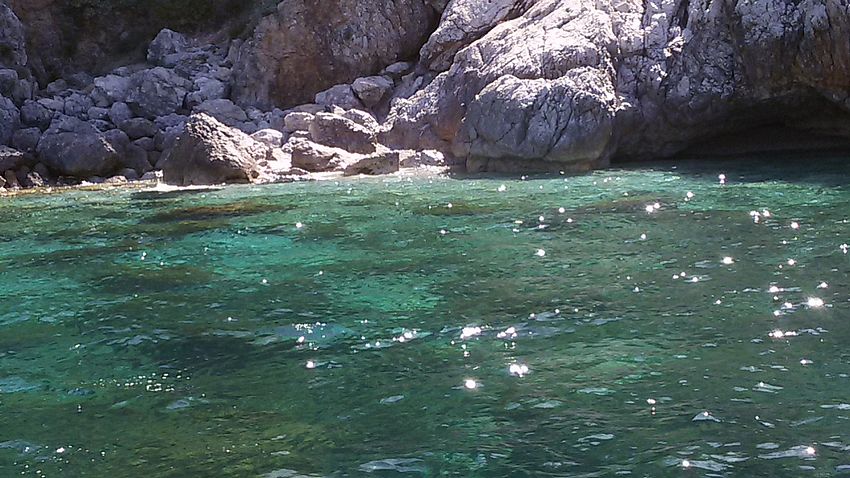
point(308, 46)
point(575, 82)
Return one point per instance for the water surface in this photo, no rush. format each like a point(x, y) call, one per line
point(655, 321)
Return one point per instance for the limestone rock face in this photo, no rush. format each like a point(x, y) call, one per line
point(307, 46)
point(574, 82)
point(72, 147)
point(209, 152)
point(463, 22)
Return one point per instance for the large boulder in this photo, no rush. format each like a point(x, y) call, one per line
point(340, 132)
point(572, 83)
point(157, 92)
point(372, 89)
point(35, 114)
point(209, 152)
point(71, 147)
point(166, 46)
point(315, 157)
point(306, 46)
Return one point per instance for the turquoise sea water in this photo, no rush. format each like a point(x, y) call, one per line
point(477, 327)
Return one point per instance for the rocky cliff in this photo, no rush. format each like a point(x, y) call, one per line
point(93, 87)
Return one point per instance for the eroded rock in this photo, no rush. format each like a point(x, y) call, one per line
point(209, 152)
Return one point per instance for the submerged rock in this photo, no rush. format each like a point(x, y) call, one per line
point(209, 152)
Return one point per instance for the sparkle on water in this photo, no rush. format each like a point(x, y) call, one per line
point(362, 342)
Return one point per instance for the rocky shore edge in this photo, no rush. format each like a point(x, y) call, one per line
point(170, 120)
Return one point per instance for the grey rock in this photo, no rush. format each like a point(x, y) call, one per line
point(333, 130)
point(269, 137)
point(12, 40)
point(119, 112)
point(80, 80)
point(26, 139)
point(171, 121)
point(110, 89)
point(77, 105)
point(157, 92)
point(11, 158)
point(97, 113)
point(398, 69)
point(316, 157)
point(72, 147)
point(55, 104)
point(117, 139)
point(166, 43)
point(297, 121)
point(55, 88)
point(10, 119)
point(463, 22)
point(371, 90)
point(416, 159)
point(138, 128)
point(34, 113)
point(384, 162)
point(224, 111)
point(339, 95)
point(209, 152)
point(362, 118)
point(102, 125)
point(571, 83)
point(22, 91)
point(206, 88)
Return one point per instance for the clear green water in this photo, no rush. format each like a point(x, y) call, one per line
point(160, 335)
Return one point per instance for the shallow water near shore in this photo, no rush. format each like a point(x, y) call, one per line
point(650, 321)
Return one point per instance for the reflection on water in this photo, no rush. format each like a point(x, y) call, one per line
point(666, 321)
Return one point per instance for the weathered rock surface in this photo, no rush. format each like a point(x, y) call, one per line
point(307, 46)
point(383, 162)
point(72, 147)
point(209, 152)
point(314, 157)
point(575, 82)
point(340, 132)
